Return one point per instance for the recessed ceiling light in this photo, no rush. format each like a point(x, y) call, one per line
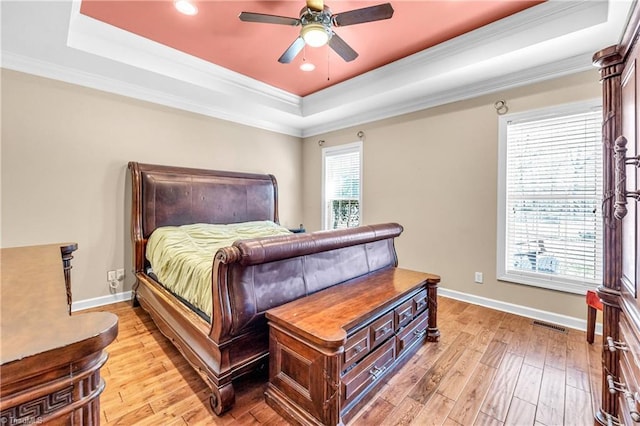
point(186, 7)
point(307, 66)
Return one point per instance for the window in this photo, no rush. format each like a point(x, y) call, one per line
point(342, 176)
point(549, 198)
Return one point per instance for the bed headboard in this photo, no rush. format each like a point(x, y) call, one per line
point(165, 196)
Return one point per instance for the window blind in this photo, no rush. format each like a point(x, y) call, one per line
point(553, 198)
point(342, 186)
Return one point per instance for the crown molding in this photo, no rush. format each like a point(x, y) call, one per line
point(193, 104)
point(98, 38)
point(533, 75)
point(542, 23)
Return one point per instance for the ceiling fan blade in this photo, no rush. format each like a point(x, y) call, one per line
point(268, 19)
point(366, 14)
point(317, 5)
point(342, 48)
point(292, 51)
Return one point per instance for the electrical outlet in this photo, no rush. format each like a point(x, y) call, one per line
point(120, 274)
point(478, 277)
point(111, 276)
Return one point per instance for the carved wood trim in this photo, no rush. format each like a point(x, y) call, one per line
point(67, 256)
point(75, 396)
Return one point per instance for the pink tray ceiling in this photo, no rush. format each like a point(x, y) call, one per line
point(216, 34)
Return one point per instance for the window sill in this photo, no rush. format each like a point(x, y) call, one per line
point(565, 286)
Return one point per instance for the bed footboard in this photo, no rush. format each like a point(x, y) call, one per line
point(256, 275)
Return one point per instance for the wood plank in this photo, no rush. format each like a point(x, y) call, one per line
point(503, 334)
point(520, 413)
point(486, 420)
point(257, 416)
point(449, 422)
point(140, 413)
point(402, 382)
point(557, 350)
point(468, 404)
point(494, 353)
point(537, 348)
point(162, 418)
point(496, 404)
point(577, 409)
point(528, 385)
point(378, 408)
point(403, 414)
point(577, 353)
point(521, 329)
point(173, 398)
point(434, 412)
point(578, 379)
point(483, 339)
point(460, 373)
point(551, 401)
point(196, 416)
point(428, 384)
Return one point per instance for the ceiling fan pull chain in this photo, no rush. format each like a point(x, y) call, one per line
point(328, 65)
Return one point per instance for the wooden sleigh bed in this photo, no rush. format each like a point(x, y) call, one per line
point(250, 276)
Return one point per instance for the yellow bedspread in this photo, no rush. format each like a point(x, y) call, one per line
point(182, 256)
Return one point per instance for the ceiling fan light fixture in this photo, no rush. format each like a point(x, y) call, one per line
point(185, 7)
point(307, 66)
point(315, 34)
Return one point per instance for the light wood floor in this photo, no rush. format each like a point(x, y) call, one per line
point(489, 368)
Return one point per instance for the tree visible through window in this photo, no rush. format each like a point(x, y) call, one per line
point(550, 230)
point(342, 177)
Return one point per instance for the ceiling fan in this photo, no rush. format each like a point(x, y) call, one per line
point(317, 23)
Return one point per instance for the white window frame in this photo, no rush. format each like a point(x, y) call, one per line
point(337, 150)
point(549, 281)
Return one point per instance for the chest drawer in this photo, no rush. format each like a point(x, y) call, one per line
point(403, 314)
point(381, 329)
point(356, 347)
point(358, 379)
point(420, 302)
point(413, 333)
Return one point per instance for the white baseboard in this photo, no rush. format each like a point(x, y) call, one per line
point(564, 320)
point(101, 301)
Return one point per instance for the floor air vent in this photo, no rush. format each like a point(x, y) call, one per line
point(553, 327)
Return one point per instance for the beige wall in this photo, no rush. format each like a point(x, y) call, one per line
point(65, 150)
point(435, 172)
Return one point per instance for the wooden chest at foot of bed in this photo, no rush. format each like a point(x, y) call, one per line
point(330, 351)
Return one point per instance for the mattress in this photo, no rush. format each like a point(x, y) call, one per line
point(181, 257)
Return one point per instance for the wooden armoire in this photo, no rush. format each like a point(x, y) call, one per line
point(620, 78)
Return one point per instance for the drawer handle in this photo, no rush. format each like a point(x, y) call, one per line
point(383, 331)
point(614, 345)
point(358, 349)
point(420, 333)
point(404, 316)
point(620, 177)
point(632, 401)
point(376, 372)
point(615, 387)
point(612, 421)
